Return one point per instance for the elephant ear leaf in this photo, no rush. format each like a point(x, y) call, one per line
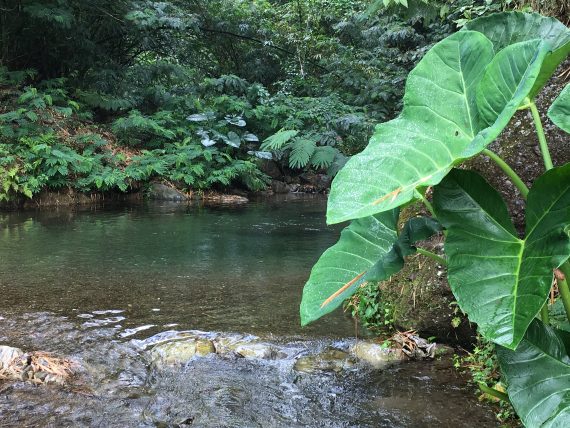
point(415, 229)
point(340, 269)
point(500, 280)
point(507, 28)
point(507, 81)
point(440, 124)
point(559, 111)
point(538, 375)
point(361, 255)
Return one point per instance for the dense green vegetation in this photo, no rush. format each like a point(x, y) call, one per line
point(111, 95)
point(108, 95)
point(458, 99)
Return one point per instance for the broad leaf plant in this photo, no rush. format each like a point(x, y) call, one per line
point(458, 99)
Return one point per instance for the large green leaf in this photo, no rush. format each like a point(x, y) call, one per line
point(352, 262)
point(499, 81)
point(415, 229)
point(559, 111)
point(500, 280)
point(507, 28)
point(538, 375)
point(438, 127)
point(342, 266)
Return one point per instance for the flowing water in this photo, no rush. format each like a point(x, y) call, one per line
point(101, 285)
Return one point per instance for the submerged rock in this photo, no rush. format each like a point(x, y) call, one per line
point(217, 198)
point(180, 352)
point(331, 359)
point(246, 346)
point(376, 355)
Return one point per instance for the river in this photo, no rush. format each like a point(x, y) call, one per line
point(101, 284)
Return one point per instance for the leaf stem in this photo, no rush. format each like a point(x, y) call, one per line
point(563, 288)
point(541, 137)
point(427, 203)
point(493, 392)
point(509, 171)
point(431, 255)
point(544, 316)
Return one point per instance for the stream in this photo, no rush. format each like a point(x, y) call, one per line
point(102, 285)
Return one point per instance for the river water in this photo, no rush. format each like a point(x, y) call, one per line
point(101, 284)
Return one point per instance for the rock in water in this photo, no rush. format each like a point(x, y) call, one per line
point(329, 360)
point(180, 352)
point(377, 355)
point(162, 192)
point(255, 350)
point(8, 354)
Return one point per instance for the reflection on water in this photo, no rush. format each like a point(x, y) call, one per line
point(237, 268)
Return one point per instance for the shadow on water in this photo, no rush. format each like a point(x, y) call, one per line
point(101, 285)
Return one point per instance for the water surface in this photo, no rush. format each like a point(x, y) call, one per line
point(101, 285)
point(231, 268)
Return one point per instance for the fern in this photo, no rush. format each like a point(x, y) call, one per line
point(301, 152)
point(103, 101)
point(278, 140)
point(323, 157)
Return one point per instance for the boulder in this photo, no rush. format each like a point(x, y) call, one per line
point(162, 192)
point(376, 355)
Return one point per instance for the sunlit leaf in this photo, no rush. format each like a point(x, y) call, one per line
point(439, 125)
point(507, 28)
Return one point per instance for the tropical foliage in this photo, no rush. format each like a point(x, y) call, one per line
point(458, 99)
point(156, 80)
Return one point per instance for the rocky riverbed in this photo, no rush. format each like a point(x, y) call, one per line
point(213, 379)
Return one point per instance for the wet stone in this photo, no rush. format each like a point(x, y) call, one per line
point(256, 351)
point(377, 355)
point(333, 360)
point(180, 352)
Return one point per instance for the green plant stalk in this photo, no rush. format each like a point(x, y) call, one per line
point(562, 284)
point(493, 392)
point(431, 255)
point(509, 171)
point(427, 204)
point(563, 288)
point(541, 137)
point(544, 315)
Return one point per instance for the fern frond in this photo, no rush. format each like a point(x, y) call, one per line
point(323, 157)
point(301, 152)
point(278, 140)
